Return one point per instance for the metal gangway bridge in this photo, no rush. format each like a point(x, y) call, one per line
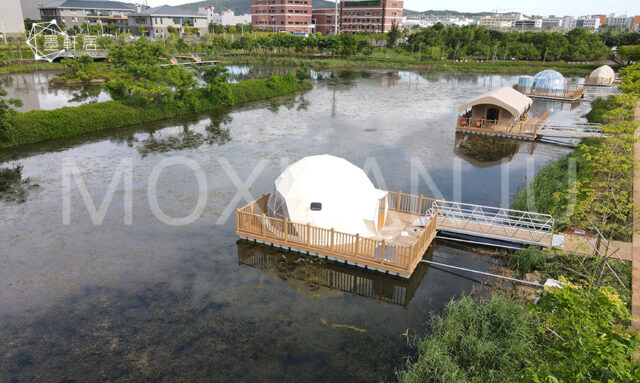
point(569, 130)
point(494, 223)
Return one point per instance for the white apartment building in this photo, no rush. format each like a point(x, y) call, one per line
point(500, 21)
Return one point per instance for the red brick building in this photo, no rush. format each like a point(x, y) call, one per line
point(635, 25)
point(370, 15)
point(324, 19)
point(292, 16)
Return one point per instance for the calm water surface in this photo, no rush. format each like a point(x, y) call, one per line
point(150, 301)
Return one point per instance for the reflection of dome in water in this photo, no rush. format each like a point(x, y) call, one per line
point(485, 151)
point(549, 79)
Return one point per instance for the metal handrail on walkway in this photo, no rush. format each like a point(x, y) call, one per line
point(522, 226)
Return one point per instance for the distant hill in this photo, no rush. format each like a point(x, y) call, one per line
point(240, 7)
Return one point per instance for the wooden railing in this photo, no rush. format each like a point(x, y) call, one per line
point(252, 221)
point(527, 127)
point(570, 93)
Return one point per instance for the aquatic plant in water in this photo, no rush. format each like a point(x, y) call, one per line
point(12, 187)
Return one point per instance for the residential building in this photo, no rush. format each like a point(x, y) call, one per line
point(370, 15)
point(156, 22)
point(31, 8)
point(500, 21)
point(527, 24)
point(620, 21)
point(11, 21)
point(426, 21)
point(589, 22)
point(325, 20)
point(553, 23)
point(294, 16)
point(77, 12)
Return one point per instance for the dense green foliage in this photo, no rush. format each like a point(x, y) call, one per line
point(475, 341)
point(583, 339)
point(542, 193)
point(630, 52)
point(6, 112)
point(40, 125)
point(143, 79)
point(477, 42)
point(577, 269)
point(574, 334)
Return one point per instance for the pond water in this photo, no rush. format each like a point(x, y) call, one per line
point(150, 301)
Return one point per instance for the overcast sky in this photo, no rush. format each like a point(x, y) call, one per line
point(536, 7)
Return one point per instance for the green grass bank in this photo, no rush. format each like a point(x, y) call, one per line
point(393, 60)
point(41, 125)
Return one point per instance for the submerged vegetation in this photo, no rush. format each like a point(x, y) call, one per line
point(13, 188)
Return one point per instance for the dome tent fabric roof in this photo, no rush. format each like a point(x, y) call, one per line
point(602, 75)
point(508, 98)
point(549, 79)
point(342, 195)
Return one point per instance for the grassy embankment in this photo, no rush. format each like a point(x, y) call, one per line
point(30, 67)
point(393, 60)
point(42, 125)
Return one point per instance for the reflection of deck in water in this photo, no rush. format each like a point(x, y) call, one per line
point(334, 275)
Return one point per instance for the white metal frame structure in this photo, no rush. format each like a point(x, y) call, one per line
point(496, 223)
point(45, 29)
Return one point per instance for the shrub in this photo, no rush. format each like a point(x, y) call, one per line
point(489, 340)
point(527, 260)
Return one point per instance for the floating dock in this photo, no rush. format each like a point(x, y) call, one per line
point(411, 225)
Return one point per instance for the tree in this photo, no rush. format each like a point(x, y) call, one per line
point(582, 337)
point(393, 35)
point(141, 78)
point(142, 30)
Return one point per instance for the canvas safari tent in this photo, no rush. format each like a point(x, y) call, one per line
point(500, 106)
point(330, 193)
point(603, 75)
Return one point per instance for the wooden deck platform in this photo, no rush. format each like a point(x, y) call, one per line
point(570, 94)
point(410, 227)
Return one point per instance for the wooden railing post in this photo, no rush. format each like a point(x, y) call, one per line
point(357, 243)
point(264, 225)
point(308, 235)
point(286, 230)
point(333, 234)
point(238, 225)
point(382, 250)
point(399, 201)
point(420, 205)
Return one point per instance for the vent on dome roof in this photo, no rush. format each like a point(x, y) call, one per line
point(316, 206)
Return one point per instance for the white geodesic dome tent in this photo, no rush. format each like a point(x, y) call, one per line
point(603, 75)
point(328, 192)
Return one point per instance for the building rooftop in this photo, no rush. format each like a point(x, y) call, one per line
point(89, 4)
